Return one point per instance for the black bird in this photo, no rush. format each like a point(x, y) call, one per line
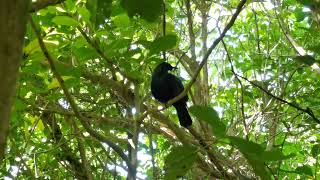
point(165, 86)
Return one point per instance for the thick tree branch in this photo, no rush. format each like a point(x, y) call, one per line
point(13, 23)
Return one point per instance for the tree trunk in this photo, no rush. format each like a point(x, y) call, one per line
point(13, 20)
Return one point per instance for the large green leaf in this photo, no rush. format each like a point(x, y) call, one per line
point(210, 116)
point(179, 161)
point(274, 155)
point(84, 13)
point(259, 168)
point(305, 169)
point(163, 43)
point(121, 20)
point(65, 20)
point(252, 152)
point(247, 147)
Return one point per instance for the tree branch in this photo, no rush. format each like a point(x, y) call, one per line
point(72, 103)
point(112, 66)
point(41, 4)
point(190, 30)
point(305, 110)
point(13, 23)
point(206, 56)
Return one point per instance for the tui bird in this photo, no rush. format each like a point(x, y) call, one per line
point(165, 86)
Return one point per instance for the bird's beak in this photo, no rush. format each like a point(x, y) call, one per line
point(174, 68)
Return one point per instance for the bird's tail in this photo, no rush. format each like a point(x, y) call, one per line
point(183, 114)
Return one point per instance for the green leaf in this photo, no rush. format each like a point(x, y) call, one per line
point(179, 161)
point(146, 9)
point(259, 168)
point(36, 119)
point(299, 14)
point(33, 46)
point(84, 13)
point(275, 155)
point(315, 150)
point(210, 116)
point(305, 169)
point(307, 59)
point(19, 105)
point(252, 151)
point(64, 20)
point(163, 43)
point(247, 147)
point(121, 20)
point(70, 5)
point(55, 83)
point(308, 2)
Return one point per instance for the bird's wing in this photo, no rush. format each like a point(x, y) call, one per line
point(175, 85)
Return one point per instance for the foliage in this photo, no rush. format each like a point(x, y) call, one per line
point(252, 103)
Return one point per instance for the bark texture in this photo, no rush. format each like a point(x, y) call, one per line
point(13, 20)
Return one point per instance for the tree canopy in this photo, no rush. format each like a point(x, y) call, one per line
point(83, 107)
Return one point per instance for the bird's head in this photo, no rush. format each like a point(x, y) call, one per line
point(163, 67)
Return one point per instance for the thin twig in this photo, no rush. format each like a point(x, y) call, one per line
point(112, 65)
point(206, 56)
point(305, 110)
point(72, 103)
point(242, 91)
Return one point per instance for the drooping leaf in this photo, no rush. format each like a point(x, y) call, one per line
point(210, 116)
